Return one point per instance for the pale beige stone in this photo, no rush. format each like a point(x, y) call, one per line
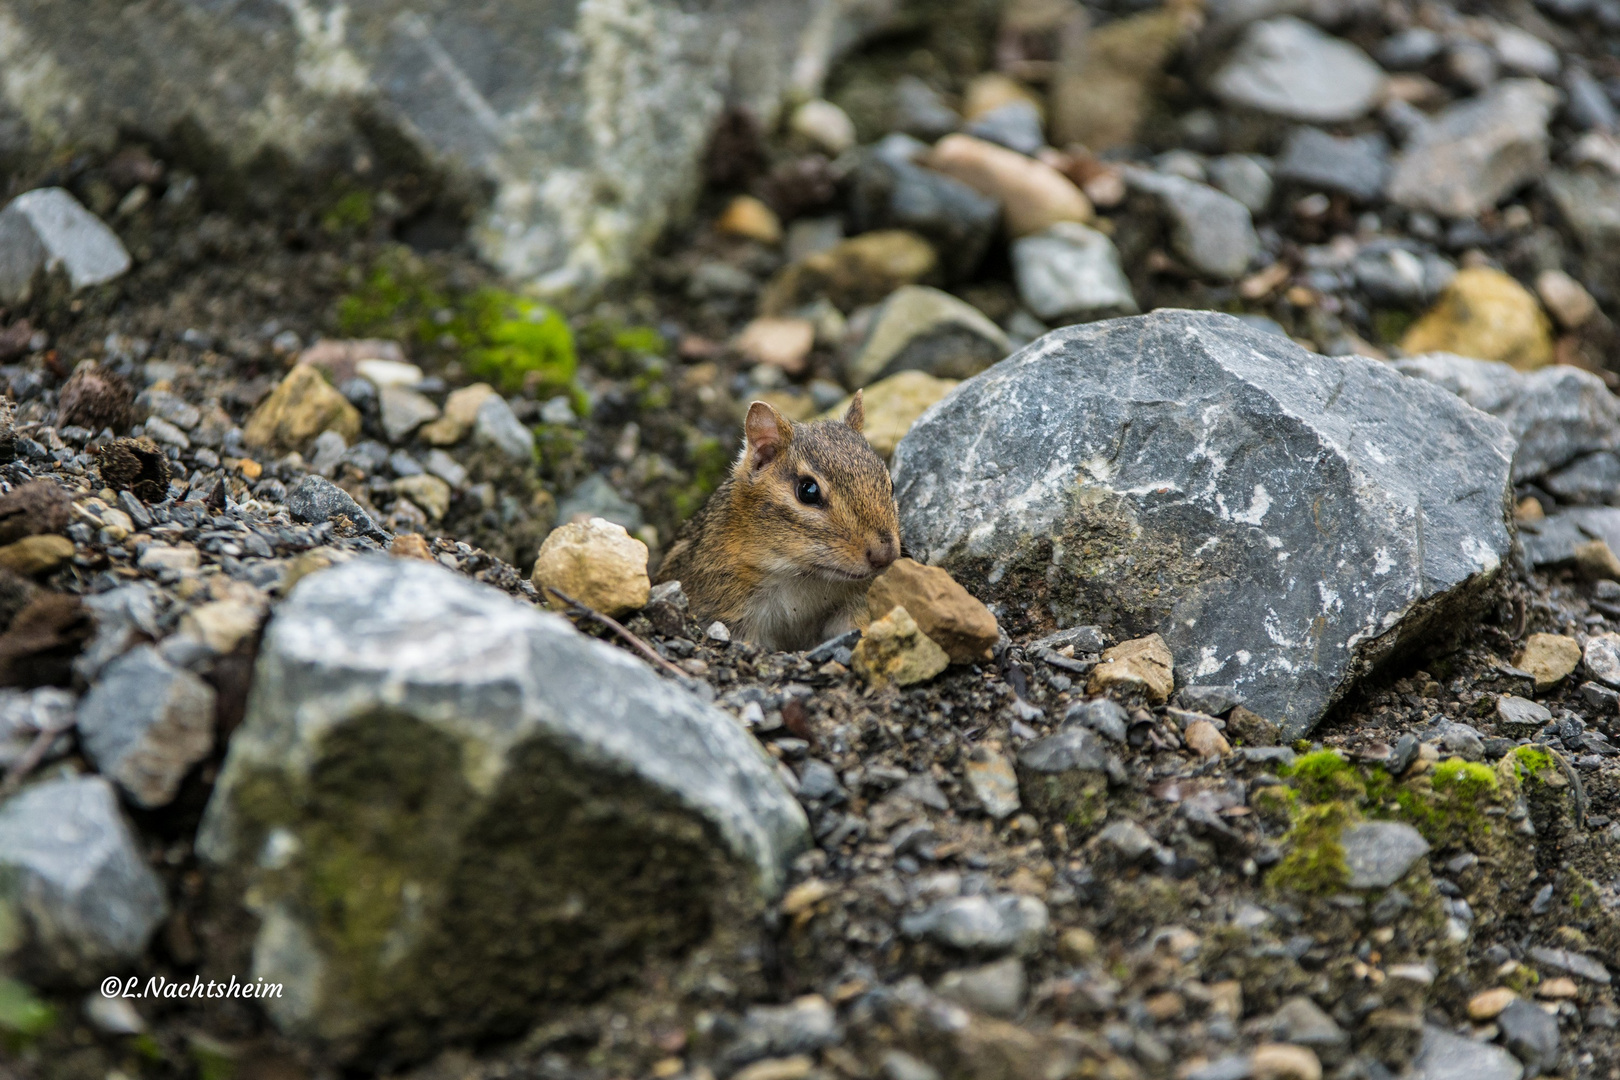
point(751, 219)
point(1488, 1004)
point(222, 625)
point(597, 563)
point(1549, 657)
point(1033, 195)
point(460, 413)
point(895, 650)
point(1284, 1061)
point(1143, 667)
point(893, 405)
point(951, 616)
point(303, 406)
point(426, 491)
point(1566, 298)
point(1205, 740)
point(781, 343)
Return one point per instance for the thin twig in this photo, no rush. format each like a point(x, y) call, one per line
point(29, 761)
point(588, 612)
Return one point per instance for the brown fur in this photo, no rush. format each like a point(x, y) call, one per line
point(774, 570)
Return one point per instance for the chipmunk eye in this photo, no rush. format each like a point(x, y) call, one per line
point(809, 491)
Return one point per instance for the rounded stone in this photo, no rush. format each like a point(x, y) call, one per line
point(597, 563)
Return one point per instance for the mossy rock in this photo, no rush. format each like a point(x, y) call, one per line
point(445, 810)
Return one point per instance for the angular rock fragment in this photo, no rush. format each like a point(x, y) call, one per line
point(993, 783)
point(1071, 272)
point(1548, 657)
point(1477, 151)
point(1486, 314)
point(1444, 1056)
point(45, 229)
point(302, 406)
point(923, 329)
point(69, 867)
point(317, 499)
point(894, 650)
point(496, 425)
point(1379, 853)
point(433, 778)
point(1256, 504)
point(1142, 667)
point(986, 924)
point(1064, 777)
point(145, 723)
point(943, 610)
point(1287, 67)
point(1208, 228)
point(854, 272)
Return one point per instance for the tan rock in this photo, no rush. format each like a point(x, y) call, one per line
point(781, 343)
point(854, 272)
point(1284, 1061)
point(1562, 988)
point(1488, 315)
point(751, 219)
point(993, 782)
point(426, 491)
point(1566, 298)
point(1549, 657)
point(895, 650)
point(410, 546)
point(1595, 560)
point(1077, 946)
point(1488, 1004)
point(1033, 195)
point(1528, 509)
point(35, 555)
point(597, 563)
point(222, 625)
point(919, 328)
point(1107, 78)
point(942, 609)
point(300, 408)
point(1204, 739)
point(893, 405)
point(796, 1067)
point(1142, 667)
point(825, 125)
point(990, 91)
point(460, 413)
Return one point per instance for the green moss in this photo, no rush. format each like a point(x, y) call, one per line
point(509, 340)
point(352, 211)
point(23, 1016)
point(1464, 780)
point(1315, 862)
point(1390, 325)
point(1326, 776)
point(1532, 762)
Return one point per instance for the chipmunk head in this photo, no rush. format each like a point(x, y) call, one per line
point(825, 497)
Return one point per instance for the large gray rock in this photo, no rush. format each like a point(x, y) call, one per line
point(145, 723)
point(1287, 67)
point(1283, 519)
point(586, 120)
point(1557, 413)
point(45, 229)
point(445, 808)
point(71, 874)
point(1476, 151)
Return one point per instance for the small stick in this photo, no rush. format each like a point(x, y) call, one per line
point(29, 761)
point(647, 651)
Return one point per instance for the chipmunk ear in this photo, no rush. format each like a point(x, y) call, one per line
point(766, 434)
point(855, 415)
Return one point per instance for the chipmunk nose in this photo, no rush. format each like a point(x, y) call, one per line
point(883, 552)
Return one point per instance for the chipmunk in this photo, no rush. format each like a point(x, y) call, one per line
point(784, 549)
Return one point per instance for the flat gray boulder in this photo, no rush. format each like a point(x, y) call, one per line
point(445, 808)
point(72, 876)
point(1283, 519)
point(47, 229)
point(586, 121)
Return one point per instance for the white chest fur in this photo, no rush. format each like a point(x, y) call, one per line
point(790, 611)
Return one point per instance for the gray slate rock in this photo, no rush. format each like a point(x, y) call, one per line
point(496, 425)
point(402, 411)
point(1557, 413)
point(1302, 1021)
point(588, 123)
point(1379, 853)
point(919, 110)
point(1277, 488)
point(986, 924)
point(1400, 274)
point(540, 787)
point(1571, 963)
point(996, 988)
point(892, 191)
point(1211, 230)
point(1287, 67)
point(1522, 712)
point(1357, 166)
point(1071, 272)
point(1245, 177)
point(1103, 715)
point(316, 499)
point(45, 229)
point(1531, 1033)
point(1589, 202)
point(1476, 151)
point(25, 715)
point(799, 1027)
point(145, 723)
point(1444, 1056)
point(69, 866)
point(1015, 125)
point(595, 496)
point(1554, 539)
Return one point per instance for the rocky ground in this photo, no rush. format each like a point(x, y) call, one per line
point(1019, 865)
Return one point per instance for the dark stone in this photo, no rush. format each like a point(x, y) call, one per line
point(138, 466)
point(1532, 1035)
point(892, 191)
point(95, 398)
point(1254, 503)
point(317, 499)
point(33, 509)
point(1356, 166)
